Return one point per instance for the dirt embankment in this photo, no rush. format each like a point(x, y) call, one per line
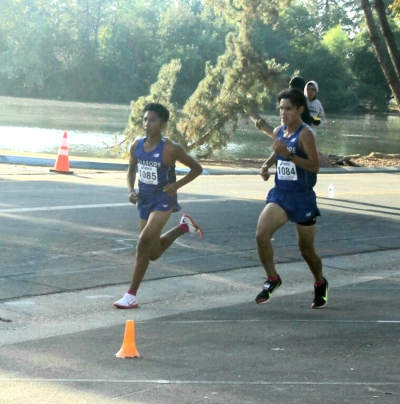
point(372, 160)
point(378, 160)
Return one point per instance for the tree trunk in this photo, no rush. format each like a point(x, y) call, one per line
point(388, 36)
point(380, 53)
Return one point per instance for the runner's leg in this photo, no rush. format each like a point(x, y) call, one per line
point(149, 246)
point(270, 220)
point(305, 239)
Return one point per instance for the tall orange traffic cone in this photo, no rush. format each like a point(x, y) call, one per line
point(62, 162)
point(128, 349)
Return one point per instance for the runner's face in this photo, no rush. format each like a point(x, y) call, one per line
point(152, 124)
point(290, 114)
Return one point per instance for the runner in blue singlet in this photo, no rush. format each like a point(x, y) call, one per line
point(300, 204)
point(293, 197)
point(153, 159)
point(154, 175)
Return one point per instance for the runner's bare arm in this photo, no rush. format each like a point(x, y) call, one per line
point(259, 122)
point(307, 144)
point(131, 174)
point(271, 160)
point(175, 152)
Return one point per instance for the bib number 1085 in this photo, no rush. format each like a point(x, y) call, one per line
point(148, 175)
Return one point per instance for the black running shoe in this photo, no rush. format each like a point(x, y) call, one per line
point(321, 296)
point(267, 291)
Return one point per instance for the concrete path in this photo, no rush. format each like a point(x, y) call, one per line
point(67, 247)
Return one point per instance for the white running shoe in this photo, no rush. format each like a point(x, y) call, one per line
point(192, 226)
point(127, 302)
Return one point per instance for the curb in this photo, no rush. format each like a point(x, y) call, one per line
point(43, 162)
point(106, 166)
point(80, 164)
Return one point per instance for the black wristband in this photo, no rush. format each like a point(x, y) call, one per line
point(290, 157)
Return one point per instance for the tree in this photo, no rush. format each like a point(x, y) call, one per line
point(298, 40)
point(160, 91)
point(388, 36)
point(112, 50)
point(33, 47)
point(191, 37)
point(388, 64)
point(330, 13)
point(129, 50)
point(369, 85)
point(235, 84)
point(395, 7)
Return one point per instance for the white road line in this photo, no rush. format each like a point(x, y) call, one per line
point(123, 242)
point(183, 245)
point(207, 382)
point(267, 320)
point(181, 294)
point(51, 208)
point(103, 205)
point(20, 303)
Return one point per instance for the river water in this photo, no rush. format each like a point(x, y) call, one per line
point(37, 126)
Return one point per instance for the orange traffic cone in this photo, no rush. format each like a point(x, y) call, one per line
point(62, 162)
point(128, 349)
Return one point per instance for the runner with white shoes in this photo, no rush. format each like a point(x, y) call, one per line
point(153, 159)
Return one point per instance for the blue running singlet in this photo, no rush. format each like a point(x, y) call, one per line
point(288, 176)
point(153, 174)
point(293, 190)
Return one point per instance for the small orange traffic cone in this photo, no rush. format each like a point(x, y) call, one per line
point(128, 349)
point(62, 162)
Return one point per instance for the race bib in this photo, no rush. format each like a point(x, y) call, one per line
point(286, 171)
point(148, 174)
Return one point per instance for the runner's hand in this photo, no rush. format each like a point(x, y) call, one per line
point(171, 189)
point(280, 147)
point(133, 197)
point(259, 124)
point(264, 173)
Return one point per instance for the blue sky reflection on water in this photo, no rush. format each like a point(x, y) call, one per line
point(38, 126)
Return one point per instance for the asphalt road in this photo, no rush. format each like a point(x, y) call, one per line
point(67, 249)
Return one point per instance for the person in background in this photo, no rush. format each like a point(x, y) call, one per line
point(300, 83)
point(314, 104)
point(297, 82)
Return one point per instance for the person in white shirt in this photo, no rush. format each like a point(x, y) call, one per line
point(314, 105)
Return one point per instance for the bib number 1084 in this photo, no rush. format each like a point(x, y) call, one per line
point(286, 171)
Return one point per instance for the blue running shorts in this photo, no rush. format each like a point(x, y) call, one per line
point(148, 202)
point(300, 207)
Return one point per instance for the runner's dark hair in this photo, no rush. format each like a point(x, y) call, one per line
point(297, 82)
point(295, 96)
point(159, 109)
